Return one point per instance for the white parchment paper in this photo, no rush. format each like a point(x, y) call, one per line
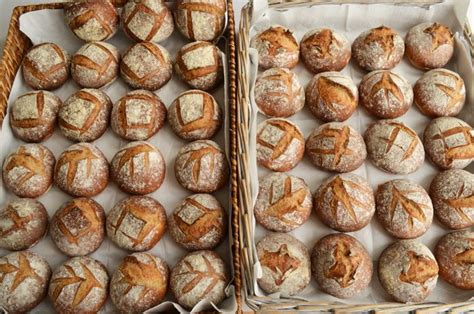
point(352, 19)
point(49, 26)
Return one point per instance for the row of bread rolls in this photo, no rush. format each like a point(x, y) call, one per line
point(145, 65)
point(407, 269)
point(333, 96)
point(146, 20)
point(83, 284)
point(427, 45)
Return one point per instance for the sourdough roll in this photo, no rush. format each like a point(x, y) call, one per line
point(147, 20)
point(92, 20)
point(95, 65)
point(46, 66)
point(33, 116)
point(200, 19)
point(199, 64)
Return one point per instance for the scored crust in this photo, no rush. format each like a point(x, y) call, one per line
point(198, 222)
point(278, 93)
point(452, 193)
point(146, 65)
point(147, 20)
point(408, 271)
point(23, 223)
point(46, 66)
point(285, 263)
point(404, 208)
point(201, 166)
point(195, 115)
point(84, 116)
point(199, 275)
point(385, 94)
point(277, 47)
point(332, 96)
point(429, 45)
point(280, 144)
point(136, 223)
point(199, 64)
point(82, 170)
point(25, 276)
point(283, 203)
point(394, 147)
point(440, 92)
point(138, 115)
point(200, 19)
point(80, 285)
point(341, 265)
point(324, 49)
point(33, 116)
point(449, 142)
point(138, 168)
point(78, 227)
point(139, 283)
point(92, 20)
point(345, 202)
point(28, 171)
point(380, 48)
point(336, 147)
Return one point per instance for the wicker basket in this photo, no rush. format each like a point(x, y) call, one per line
point(17, 44)
point(247, 221)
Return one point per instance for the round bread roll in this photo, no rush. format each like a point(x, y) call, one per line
point(28, 171)
point(454, 253)
point(200, 19)
point(195, 115)
point(199, 64)
point(429, 45)
point(80, 285)
point(138, 115)
point(84, 116)
point(440, 92)
point(394, 147)
point(324, 49)
point(385, 94)
point(25, 276)
point(139, 283)
point(147, 20)
point(408, 271)
point(332, 96)
point(452, 193)
point(78, 227)
point(278, 93)
point(286, 267)
point(336, 147)
point(341, 265)
point(283, 203)
point(146, 65)
point(201, 167)
point(138, 168)
point(82, 170)
point(92, 20)
point(23, 223)
point(199, 222)
point(404, 208)
point(280, 144)
point(345, 202)
point(33, 116)
point(380, 48)
point(277, 47)
point(95, 65)
point(449, 142)
point(46, 66)
point(136, 223)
